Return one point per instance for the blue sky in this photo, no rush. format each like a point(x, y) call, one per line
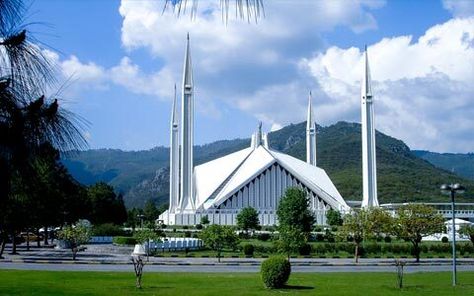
point(124, 56)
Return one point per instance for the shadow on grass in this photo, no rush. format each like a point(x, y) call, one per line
point(294, 287)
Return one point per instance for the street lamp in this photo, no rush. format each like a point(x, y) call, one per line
point(137, 254)
point(451, 190)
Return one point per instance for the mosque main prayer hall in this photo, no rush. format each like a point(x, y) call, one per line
point(256, 176)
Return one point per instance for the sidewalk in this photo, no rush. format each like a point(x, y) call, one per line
point(108, 254)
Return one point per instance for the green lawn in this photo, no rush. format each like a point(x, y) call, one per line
point(119, 283)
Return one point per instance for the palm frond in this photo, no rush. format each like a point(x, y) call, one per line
point(244, 9)
point(25, 63)
point(10, 14)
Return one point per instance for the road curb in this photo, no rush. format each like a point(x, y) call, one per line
point(362, 264)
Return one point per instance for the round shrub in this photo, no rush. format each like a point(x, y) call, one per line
point(387, 239)
point(198, 226)
point(187, 234)
point(445, 239)
point(248, 249)
point(275, 272)
point(263, 236)
point(305, 250)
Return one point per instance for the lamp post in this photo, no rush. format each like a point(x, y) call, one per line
point(451, 190)
point(137, 254)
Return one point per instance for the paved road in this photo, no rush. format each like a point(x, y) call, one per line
point(222, 268)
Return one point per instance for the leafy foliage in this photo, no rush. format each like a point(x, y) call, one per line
point(106, 205)
point(146, 234)
point(217, 237)
point(275, 272)
point(75, 235)
point(469, 231)
point(248, 219)
point(415, 221)
point(334, 217)
point(295, 220)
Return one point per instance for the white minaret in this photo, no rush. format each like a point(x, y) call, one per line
point(310, 134)
point(186, 202)
point(369, 169)
point(174, 156)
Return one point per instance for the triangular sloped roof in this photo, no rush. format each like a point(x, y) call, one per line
point(210, 175)
point(313, 177)
point(257, 161)
point(217, 180)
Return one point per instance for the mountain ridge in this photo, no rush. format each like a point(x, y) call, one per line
point(402, 174)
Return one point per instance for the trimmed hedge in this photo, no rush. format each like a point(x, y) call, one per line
point(275, 272)
point(124, 240)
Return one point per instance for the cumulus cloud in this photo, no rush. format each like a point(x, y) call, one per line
point(239, 57)
point(459, 8)
point(423, 88)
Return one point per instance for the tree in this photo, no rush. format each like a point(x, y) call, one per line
point(27, 118)
point(74, 236)
point(333, 217)
point(107, 207)
point(469, 231)
point(248, 219)
point(295, 220)
point(205, 220)
point(415, 221)
point(217, 237)
point(356, 225)
point(150, 211)
point(294, 211)
point(365, 223)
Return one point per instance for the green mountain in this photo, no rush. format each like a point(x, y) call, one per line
point(402, 175)
point(458, 163)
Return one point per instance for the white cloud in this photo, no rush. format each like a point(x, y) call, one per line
point(459, 8)
point(423, 88)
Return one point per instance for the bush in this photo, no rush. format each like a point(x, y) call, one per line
point(445, 239)
point(387, 239)
point(275, 272)
point(319, 237)
point(305, 250)
point(244, 235)
point(187, 234)
point(248, 249)
point(198, 226)
point(124, 240)
point(263, 236)
point(107, 229)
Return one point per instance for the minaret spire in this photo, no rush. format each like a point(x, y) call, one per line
point(187, 134)
point(310, 134)
point(174, 156)
point(369, 163)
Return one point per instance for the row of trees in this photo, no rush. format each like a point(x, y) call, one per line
point(411, 223)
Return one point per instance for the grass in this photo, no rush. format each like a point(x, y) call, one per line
point(15, 282)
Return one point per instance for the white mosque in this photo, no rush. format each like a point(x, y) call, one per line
point(257, 176)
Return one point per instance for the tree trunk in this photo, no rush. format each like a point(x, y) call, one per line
point(38, 240)
point(416, 250)
point(14, 252)
point(74, 252)
point(219, 256)
point(27, 239)
point(4, 242)
point(46, 235)
point(356, 253)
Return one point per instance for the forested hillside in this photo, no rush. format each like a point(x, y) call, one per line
point(402, 175)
